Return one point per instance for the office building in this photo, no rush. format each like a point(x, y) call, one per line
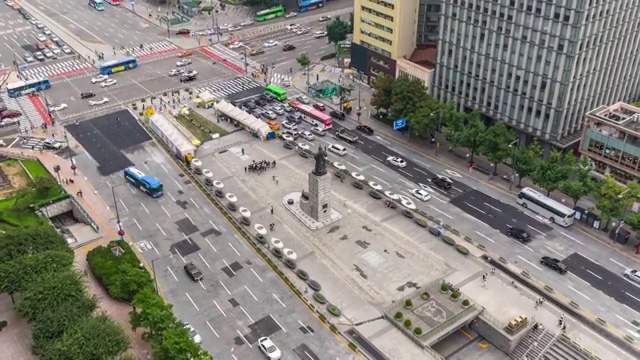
point(611, 139)
point(540, 66)
point(428, 21)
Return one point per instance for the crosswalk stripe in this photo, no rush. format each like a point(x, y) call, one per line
point(59, 68)
point(230, 87)
point(150, 48)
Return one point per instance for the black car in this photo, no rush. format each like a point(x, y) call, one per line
point(518, 234)
point(365, 129)
point(187, 78)
point(338, 115)
point(27, 16)
point(260, 102)
point(442, 182)
point(87, 95)
point(250, 105)
point(288, 47)
point(554, 264)
point(22, 11)
point(192, 270)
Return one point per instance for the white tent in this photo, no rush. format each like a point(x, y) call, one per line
point(206, 96)
point(247, 120)
point(169, 133)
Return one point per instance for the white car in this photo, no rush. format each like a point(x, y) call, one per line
point(236, 45)
point(421, 194)
point(47, 53)
point(246, 23)
point(108, 82)
point(176, 72)
point(183, 62)
point(66, 50)
point(396, 161)
point(193, 333)
point(41, 37)
point(293, 27)
point(303, 99)
point(269, 348)
point(289, 125)
point(58, 107)
point(34, 21)
point(302, 31)
point(633, 275)
point(99, 78)
point(307, 135)
point(46, 31)
point(271, 43)
point(191, 72)
point(39, 25)
point(319, 34)
point(235, 28)
point(290, 15)
point(98, 102)
point(338, 149)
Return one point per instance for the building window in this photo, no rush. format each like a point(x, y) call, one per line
point(374, 36)
point(376, 13)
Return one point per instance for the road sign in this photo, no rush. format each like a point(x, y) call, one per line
point(22, 68)
point(399, 124)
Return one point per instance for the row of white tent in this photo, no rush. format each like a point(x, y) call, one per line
point(250, 122)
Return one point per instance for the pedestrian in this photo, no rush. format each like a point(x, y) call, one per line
point(85, 273)
point(245, 169)
point(535, 326)
point(345, 203)
point(560, 322)
point(484, 283)
point(484, 277)
point(243, 151)
point(564, 327)
point(274, 178)
point(271, 210)
point(274, 226)
point(493, 271)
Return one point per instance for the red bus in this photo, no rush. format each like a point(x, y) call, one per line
point(313, 116)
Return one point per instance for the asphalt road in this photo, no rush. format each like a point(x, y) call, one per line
point(240, 299)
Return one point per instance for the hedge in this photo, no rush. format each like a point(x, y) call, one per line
point(327, 56)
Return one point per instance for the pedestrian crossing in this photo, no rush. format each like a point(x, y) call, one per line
point(30, 118)
point(55, 70)
point(236, 57)
point(150, 49)
point(281, 79)
point(4, 75)
point(29, 142)
point(227, 88)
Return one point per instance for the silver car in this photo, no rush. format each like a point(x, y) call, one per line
point(46, 31)
point(41, 37)
point(66, 50)
point(28, 57)
point(47, 53)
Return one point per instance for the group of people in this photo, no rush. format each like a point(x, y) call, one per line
point(260, 166)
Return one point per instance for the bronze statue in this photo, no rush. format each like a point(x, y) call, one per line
point(321, 162)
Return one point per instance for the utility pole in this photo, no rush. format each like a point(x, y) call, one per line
point(359, 96)
point(153, 270)
point(115, 204)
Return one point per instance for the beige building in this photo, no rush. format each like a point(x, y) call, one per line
point(419, 66)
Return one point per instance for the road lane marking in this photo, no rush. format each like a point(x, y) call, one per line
point(136, 222)
point(530, 263)
point(189, 217)
point(165, 211)
point(164, 168)
point(219, 308)
point(572, 238)
point(145, 208)
point(579, 293)
point(214, 226)
point(493, 207)
point(154, 247)
point(250, 293)
point(485, 236)
point(379, 168)
point(228, 267)
point(192, 302)
point(278, 299)
point(437, 198)
point(178, 252)
point(631, 296)
point(418, 170)
point(194, 203)
point(380, 180)
point(204, 261)
point(202, 285)
point(177, 183)
point(225, 288)
point(212, 329)
point(207, 240)
point(186, 238)
point(355, 156)
point(536, 230)
point(588, 258)
point(594, 274)
point(172, 274)
point(276, 321)
point(247, 314)
point(234, 249)
point(473, 207)
point(554, 251)
point(579, 278)
point(617, 263)
point(123, 205)
point(243, 338)
point(171, 196)
point(420, 162)
point(256, 274)
point(234, 357)
point(162, 231)
point(305, 326)
point(408, 183)
point(404, 172)
point(357, 167)
point(381, 140)
point(441, 212)
point(625, 320)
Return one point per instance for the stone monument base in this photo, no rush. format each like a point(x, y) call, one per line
point(307, 220)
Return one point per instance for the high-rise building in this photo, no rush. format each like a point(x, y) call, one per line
point(428, 21)
point(538, 65)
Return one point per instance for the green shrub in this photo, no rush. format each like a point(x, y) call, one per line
point(444, 287)
point(408, 323)
point(302, 274)
point(140, 113)
point(398, 316)
point(353, 346)
point(466, 302)
point(462, 250)
point(417, 331)
point(327, 56)
point(448, 240)
point(408, 303)
point(425, 295)
point(333, 328)
point(455, 295)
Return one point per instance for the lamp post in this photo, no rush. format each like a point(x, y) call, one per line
point(155, 278)
point(513, 162)
point(73, 163)
point(214, 24)
point(115, 204)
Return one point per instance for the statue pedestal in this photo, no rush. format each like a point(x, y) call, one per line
point(318, 204)
point(296, 209)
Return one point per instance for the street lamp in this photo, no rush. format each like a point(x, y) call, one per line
point(115, 204)
point(73, 163)
point(513, 162)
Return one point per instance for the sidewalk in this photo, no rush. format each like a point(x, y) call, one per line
point(449, 158)
point(96, 206)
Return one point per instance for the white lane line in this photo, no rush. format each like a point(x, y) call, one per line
point(536, 230)
point(408, 183)
point(256, 274)
point(247, 314)
point(571, 238)
point(234, 357)
point(145, 208)
point(219, 308)
point(382, 140)
point(420, 162)
point(212, 329)
point(164, 168)
point(171, 196)
point(379, 168)
point(180, 255)
point(530, 263)
point(278, 299)
point(123, 205)
point(473, 207)
point(594, 274)
point(579, 293)
point(305, 326)
point(172, 274)
point(189, 217)
point(588, 258)
point(493, 207)
point(485, 236)
point(194, 203)
point(243, 338)
point(136, 222)
point(192, 302)
point(165, 211)
point(202, 285)
point(633, 297)
point(276, 321)
point(214, 226)
point(250, 293)
point(228, 267)
point(234, 249)
point(579, 278)
point(406, 173)
point(554, 251)
point(154, 248)
point(357, 167)
point(354, 156)
point(225, 288)
point(617, 263)
point(441, 212)
point(420, 171)
point(204, 261)
point(207, 240)
point(177, 183)
point(380, 180)
point(437, 198)
point(186, 238)
point(162, 231)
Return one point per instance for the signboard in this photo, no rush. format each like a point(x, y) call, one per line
point(399, 124)
point(149, 111)
point(22, 68)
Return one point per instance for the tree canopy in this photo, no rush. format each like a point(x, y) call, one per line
point(553, 171)
point(470, 134)
point(612, 198)
point(31, 240)
point(303, 60)
point(337, 30)
point(497, 144)
point(406, 94)
point(382, 92)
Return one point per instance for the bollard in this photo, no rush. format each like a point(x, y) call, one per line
point(549, 289)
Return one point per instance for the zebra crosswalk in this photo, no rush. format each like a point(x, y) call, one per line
point(281, 79)
point(151, 49)
point(236, 57)
point(56, 70)
point(227, 88)
point(30, 118)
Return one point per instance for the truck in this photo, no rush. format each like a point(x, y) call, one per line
point(192, 270)
point(347, 135)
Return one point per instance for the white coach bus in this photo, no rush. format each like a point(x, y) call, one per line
point(556, 212)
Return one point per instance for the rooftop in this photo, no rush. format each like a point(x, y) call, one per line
point(425, 55)
point(621, 115)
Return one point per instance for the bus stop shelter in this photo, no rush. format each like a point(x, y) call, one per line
point(254, 125)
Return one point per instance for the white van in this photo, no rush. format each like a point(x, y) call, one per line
point(338, 149)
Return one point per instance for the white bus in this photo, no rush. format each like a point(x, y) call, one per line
point(554, 211)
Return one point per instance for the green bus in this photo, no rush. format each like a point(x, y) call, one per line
point(279, 93)
point(274, 12)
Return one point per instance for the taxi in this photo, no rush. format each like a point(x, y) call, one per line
point(293, 102)
point(272, 124)
point(40, 46)
point(49, 44)
point(185, 53)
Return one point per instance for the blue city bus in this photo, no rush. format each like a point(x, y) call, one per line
point(27, 87)
point(306, 5)
point(114, 66)
point(145, 183)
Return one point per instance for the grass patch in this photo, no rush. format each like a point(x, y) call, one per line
point(200, 126)
point(35, 168)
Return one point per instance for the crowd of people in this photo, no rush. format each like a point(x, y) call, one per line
point(260, 166)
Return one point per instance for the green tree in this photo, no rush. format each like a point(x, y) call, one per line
point(636, 104)
point(43, 184)
point(527, 160)
point(553, 171)
point(580, 182)
point(176, 344)
point(425, 119)
point(405, 96)
point(92, 338)
point(497, 144)
point(20, 195)
point(382, 92)
point(151, 313)
point(337, 31)
point(128, 281)
point(471, 135)
point(30, 240)
point(17, 273)
point(612, 198)
point(351, 22)
point(303, 60)
point(633, 220)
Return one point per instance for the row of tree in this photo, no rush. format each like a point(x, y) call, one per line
point(408, 98)
point(37, 263)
